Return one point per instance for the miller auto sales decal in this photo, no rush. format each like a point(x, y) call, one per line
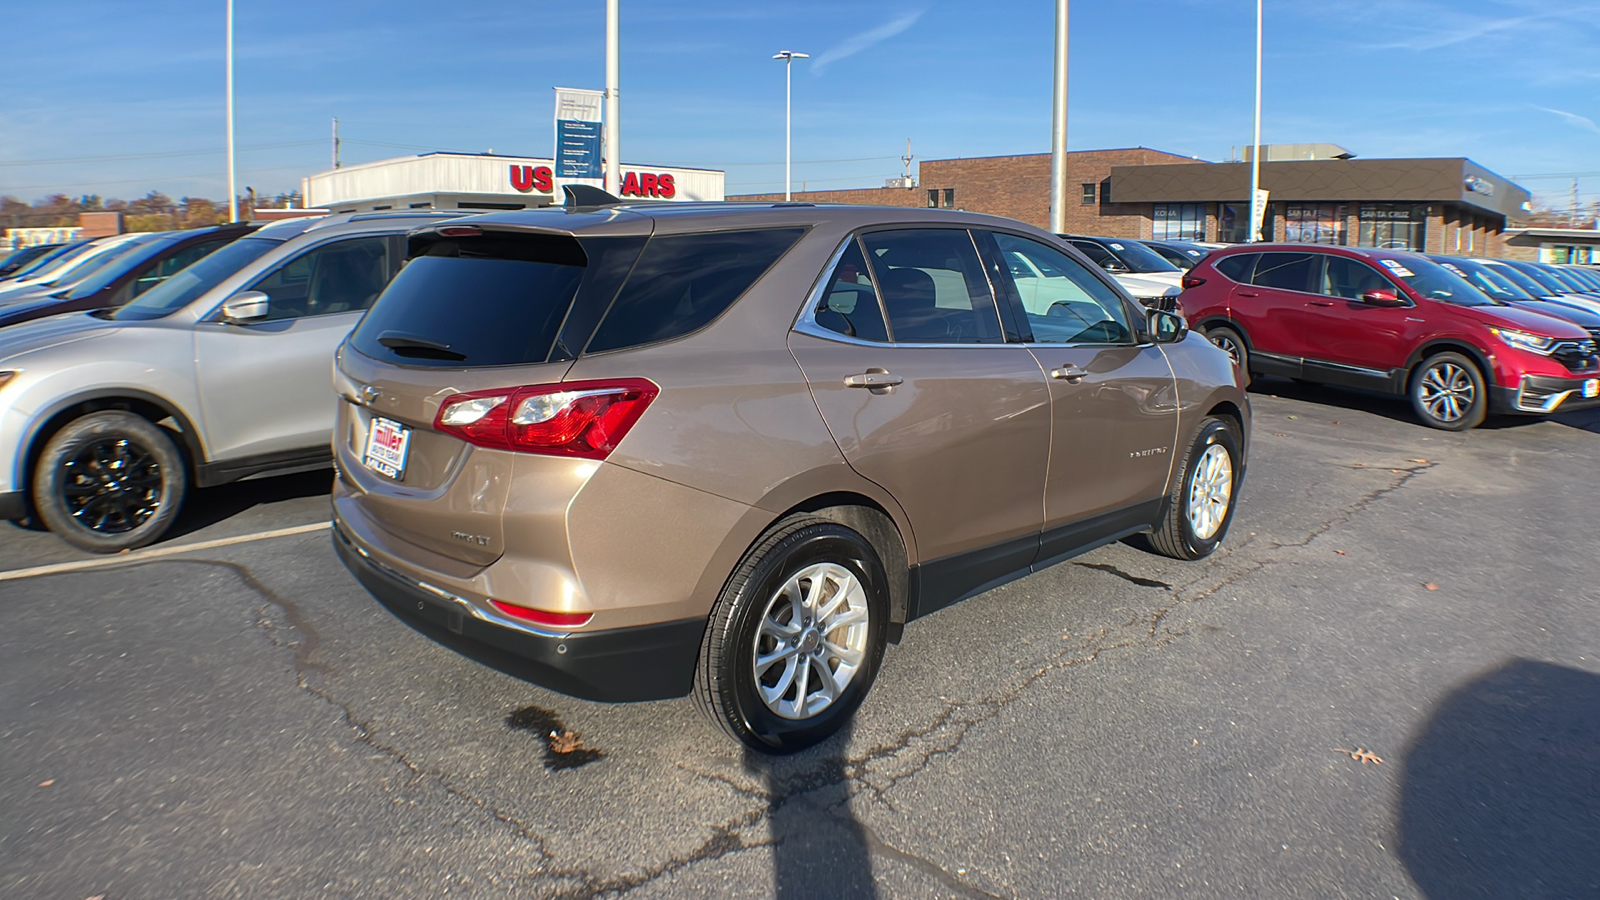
point(634, 184)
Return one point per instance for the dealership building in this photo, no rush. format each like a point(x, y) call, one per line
point(1318, 193)
point(486, 181)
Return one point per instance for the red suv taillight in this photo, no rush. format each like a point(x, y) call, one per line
point(1190, 280)
point(576, 418)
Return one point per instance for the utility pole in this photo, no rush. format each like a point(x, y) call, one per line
point(1255, 151)
point(907, 160)
point(1058, 127)
point(233, 190)
point(613, 130)
point(336, 142)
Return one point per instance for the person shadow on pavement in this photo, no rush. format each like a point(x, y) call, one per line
point(819, 849)
point(1501, 791)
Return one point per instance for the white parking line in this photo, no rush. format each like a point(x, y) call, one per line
point(123, 559)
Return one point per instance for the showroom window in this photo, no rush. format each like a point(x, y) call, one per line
point(1314, 223)
point(1392, 226)
point(1178, 222)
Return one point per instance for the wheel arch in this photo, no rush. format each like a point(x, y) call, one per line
point(1219, 320)
point(868, 518)
point(1448, 345)
point(144, 404)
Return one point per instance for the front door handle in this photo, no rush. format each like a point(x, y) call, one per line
point(1319, 302)
point(873, 378)
point(1249, 293)
point(1069, 373)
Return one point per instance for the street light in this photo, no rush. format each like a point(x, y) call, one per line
point(233, 191)
point(788, 57)
point(1256, 205)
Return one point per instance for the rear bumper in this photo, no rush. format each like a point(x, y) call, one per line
point(13, 505)
point(648, 662)
point(1543, 394)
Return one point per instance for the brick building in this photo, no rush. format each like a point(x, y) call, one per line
point(1449, 205)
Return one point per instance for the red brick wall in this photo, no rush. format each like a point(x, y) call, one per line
point(100, 224)
point(1017, 187)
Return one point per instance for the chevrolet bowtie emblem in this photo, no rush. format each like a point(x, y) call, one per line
point(370, 394)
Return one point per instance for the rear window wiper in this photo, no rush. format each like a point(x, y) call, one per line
point(410, 345)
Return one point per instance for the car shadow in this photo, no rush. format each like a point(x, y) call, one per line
point(1500, 795)
point(818, 848)
point(209, 506)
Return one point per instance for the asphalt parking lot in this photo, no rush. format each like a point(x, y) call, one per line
point(239, 719)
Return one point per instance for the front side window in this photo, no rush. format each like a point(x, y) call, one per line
point(1287, 271)
point(849, 305)
point(933, 286)
point(1065, 303)
point(343, 276)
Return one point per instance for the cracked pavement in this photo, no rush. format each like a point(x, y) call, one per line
point(247, 722)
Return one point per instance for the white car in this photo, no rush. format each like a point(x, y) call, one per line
point(1151, 280)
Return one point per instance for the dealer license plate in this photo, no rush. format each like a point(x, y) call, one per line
point(1591, 388)
point(387, 442)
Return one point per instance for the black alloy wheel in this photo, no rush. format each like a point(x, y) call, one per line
point(108, 482)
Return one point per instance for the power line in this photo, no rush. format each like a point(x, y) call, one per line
point(1558, 175)
point(147, 179)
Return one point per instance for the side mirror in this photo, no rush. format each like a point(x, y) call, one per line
point(1165, 326)
point(1114, 267)
point(1381, 298)
point(245, 307)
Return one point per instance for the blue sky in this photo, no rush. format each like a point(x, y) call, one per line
point(117, 97)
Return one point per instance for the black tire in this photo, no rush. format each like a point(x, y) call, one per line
point(1447, 392)
point(1177, 535)
point(1233, 342)
point(726, 682)
point(108, 482)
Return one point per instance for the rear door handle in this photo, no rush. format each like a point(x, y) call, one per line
point(1069, 373)
point(1249, 293)
point(871, 379)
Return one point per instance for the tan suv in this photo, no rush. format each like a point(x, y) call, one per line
point(634, 452)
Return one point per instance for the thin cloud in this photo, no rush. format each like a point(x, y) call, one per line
point(857, 43)
point(1471, 32)
point(1574, 119)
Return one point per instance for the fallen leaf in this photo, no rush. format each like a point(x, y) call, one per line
point(1420, 462)
point(1294, 417)
point(1361, 756)
point(47, 783)
point(1335, 421)
point(1279, 434)
point(1341, 553)
point(565, 742)
point(1430, 585)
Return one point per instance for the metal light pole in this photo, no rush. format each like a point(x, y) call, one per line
point(788, 57)
point(233, 191)
point(1255, 149)
point(613, 114)
point(1058, 127)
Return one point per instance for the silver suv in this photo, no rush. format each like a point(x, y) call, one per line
point(216, 375)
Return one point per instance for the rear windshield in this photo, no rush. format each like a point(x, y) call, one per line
point(487, 300)
point(185, 287)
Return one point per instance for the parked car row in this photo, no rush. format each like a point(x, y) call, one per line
point(727, 450)
point(1460, 338)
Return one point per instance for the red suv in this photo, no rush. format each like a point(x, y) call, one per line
point(1389, 321)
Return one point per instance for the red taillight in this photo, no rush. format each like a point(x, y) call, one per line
point(576, 418)
point(544, 617)
point(1190, 281)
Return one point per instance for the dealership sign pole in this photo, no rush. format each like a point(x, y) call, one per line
point(233, 190)
point(1058, 127)
point(1257, 202)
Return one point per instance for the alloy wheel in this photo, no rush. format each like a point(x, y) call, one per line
point(1446, 391)
point(111, 485)
point(1210, 492)
point(812, 640)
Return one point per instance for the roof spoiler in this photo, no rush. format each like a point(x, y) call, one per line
point(588, 195)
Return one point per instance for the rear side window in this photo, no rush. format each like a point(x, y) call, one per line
point(488, 300)
point(849, 305)
point(683, 281)
point(1286, 272)
point(1238, 267)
